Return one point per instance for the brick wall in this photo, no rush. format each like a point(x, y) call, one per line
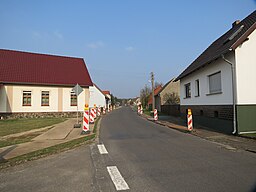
point(218, 111)
point(173, 110)
point(38, 115)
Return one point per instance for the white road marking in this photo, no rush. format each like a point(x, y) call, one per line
point(117, 178)
point(102, 149)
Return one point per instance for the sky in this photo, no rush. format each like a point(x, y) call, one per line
point(121, 41)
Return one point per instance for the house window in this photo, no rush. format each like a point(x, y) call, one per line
point(197, 93)
point(215, 83)
point(187, 90)
point(26, 101)
point(73, 99)
point(45, 98)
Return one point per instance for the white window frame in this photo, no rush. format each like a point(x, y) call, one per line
point(214, 91)
point(197, 88)
point(189, 93)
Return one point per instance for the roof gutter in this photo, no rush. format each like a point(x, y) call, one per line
point(233, 92)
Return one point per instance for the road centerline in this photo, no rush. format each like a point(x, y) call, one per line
point(102, 149)
point(117, 178)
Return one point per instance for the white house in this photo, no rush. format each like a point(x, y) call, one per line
point(97, 97)
point(219, 86)
point(33, 84)
point(172, 87)
point(108, 98)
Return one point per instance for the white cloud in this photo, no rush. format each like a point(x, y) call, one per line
point(130, 48)
point(96, 45)
point(46, 35)
point(58, 34)
point(36, 35)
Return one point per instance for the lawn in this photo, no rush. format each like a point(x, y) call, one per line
point(146, 112)
point(12, 126)
point(17, 140)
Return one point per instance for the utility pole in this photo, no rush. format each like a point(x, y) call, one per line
point(153, 90)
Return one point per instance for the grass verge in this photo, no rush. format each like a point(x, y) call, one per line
point(50, 150)
point(17, 140)
point(11, 126)
point(146, 112)
point(47, 151)
point(95, 126)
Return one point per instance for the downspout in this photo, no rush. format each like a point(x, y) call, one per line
point(233, 91)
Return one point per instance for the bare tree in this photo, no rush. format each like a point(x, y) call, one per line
point(171, 98)
point(144, 95)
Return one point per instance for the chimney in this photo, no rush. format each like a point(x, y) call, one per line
point(235, 23)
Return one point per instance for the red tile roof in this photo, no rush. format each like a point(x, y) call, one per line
point(156, 91)
point(106, 92)
point(33, 68)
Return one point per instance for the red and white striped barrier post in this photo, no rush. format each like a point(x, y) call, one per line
point(86, 119)
point(91, 115)
point(99, 111)
point(95, 111)
point(155, 115)
point(104, 110)
point(141, 110)
point(190, 121)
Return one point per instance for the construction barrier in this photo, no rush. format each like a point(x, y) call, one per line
point(95, 111)
point(91, 115)
point(98, 111)
point(86, 119)
point(190, 121)
point(104, 110)
point(155, 115)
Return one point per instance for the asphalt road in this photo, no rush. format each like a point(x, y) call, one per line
point(155, 158)
point(69, 171)
point(148, 157)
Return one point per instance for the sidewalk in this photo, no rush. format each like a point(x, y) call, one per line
point(60, 133)
point(230, 142)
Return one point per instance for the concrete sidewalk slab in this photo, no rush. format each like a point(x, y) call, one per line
point(60, 131)
point(233, 142)
point(28, 147)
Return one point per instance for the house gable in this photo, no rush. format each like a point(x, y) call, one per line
point(27, 79)
point(228, 41)
point(245, 71)
point(224, 97)
point(170, 87)
point(96, 97)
